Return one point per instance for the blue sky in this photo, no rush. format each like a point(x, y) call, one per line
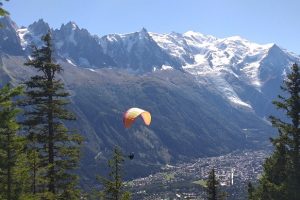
point(261, 21)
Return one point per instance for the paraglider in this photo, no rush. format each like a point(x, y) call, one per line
point(131, 114)
point(129, 117)
point(131, 156)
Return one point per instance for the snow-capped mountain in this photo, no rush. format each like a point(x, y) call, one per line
point(207, 95)
point(216, 62)
point(71, 43)
point(32, 35)
point(137, 51)
point(78, 46)
point(209, 55)
point(196, 53)
point(226, 65)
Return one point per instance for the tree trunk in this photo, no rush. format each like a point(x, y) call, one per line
point(9, 183)
point(51, 186)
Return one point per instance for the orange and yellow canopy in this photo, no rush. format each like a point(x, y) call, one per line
point(131, 114)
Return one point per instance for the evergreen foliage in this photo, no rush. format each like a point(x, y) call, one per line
point(281, 176)
point(3, 12)
point(212, 185)
point(113, 186)
point(250, 191)
point(213, 191)
point(52, 149)
point(12, 174)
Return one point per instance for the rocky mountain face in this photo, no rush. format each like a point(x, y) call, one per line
point(245, 74)
point(80, 47)
point(207, 95)
point(9, 40)
point(137, 51)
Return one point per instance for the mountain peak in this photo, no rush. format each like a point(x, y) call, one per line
point(175, 34)
point(70, 26)
point(144, 30)
point(194, 33)
point(235, 37)
point(144, 33)
point(199, 36)
point(39, 27)
point(275, 50)
point(274, 46)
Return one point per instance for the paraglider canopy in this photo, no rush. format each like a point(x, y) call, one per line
point(131, 114)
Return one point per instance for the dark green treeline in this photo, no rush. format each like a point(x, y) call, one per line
point(12, 157)
point(213, 191)
point(281, 175)
point(38, 155)
point(53, 149)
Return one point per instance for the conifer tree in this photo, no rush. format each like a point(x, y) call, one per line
point(250, 191)
point(3, 12)
point(113, 186)
point(53, 148)
point(281, 176)
point(212, 184)
point(11, 146)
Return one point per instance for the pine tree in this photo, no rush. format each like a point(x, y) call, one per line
point(113, 186)
point(54, 150)
point(250, 191)
point(281, 176)
point(273, 180)
point(212, 184)
point(11, 146)
point(3, 12)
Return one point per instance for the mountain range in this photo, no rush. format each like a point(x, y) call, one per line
point(207, 95)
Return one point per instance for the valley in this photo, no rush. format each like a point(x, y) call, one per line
point(208, 96)
point(187, 181)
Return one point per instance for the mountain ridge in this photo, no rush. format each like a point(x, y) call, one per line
point(208, 96)
point(216, 51)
